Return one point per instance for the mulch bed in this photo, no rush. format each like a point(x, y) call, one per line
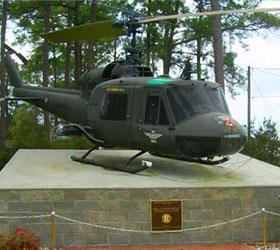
point(229, 246)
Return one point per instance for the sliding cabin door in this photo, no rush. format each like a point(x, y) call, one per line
point(115, 115)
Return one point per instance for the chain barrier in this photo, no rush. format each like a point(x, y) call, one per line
point(137, 231)
point(54, 216)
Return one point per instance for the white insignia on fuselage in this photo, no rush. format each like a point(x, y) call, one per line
point(153, 136)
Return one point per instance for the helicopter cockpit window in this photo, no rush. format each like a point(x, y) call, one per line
point(190, 100)
point(114, 106)
point(163, 120)
point(155, 110)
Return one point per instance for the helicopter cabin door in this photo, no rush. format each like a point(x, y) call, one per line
point(115, 115)
point(153, 127)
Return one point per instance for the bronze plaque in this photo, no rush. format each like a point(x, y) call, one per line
point(166, 215)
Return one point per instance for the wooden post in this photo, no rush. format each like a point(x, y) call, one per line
point(53, 231)
point(264, 228)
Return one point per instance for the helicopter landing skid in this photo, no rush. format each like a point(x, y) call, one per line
point(125, 168)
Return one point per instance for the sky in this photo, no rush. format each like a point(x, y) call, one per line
point(262, 55)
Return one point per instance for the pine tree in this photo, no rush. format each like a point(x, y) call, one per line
point(264, 143)
point(3, 121)
point(46, 61)
point(91, 44)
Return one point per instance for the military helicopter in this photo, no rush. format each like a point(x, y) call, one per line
point(122, 104)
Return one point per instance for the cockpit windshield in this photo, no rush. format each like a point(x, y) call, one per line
point(190, 100)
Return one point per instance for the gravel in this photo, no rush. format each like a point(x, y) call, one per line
point(270, 246)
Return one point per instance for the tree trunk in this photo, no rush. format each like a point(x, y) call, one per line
point(148, 39)
point(55, 76)
point(2, 75)
point(166, 52)
point(168, 43)
point(77, 48)
point(199, 44)
point(115, 50)
point(148, 47)
point(153, 61)
point(67, 65)
point(68, 51)
point(198, 58)
point(46, 62)
point(77, 65)
point(218, 45)
point(91, 43)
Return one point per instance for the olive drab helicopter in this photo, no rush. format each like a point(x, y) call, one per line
point(123, 104)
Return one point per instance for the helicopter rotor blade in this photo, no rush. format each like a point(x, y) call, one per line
point(208, 13)
point(90, 31)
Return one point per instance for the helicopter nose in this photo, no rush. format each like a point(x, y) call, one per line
point(212, 134)
point(233, 137)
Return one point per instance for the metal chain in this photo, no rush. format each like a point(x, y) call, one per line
point(142, 231)
point(99, 226)
point(273, 213)
point(223, 223)
point(25, 217)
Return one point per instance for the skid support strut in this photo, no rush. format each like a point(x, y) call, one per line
point(125, 168)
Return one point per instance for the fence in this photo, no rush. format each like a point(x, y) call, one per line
point(53, 217)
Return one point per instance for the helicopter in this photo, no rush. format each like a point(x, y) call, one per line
point(124, 105)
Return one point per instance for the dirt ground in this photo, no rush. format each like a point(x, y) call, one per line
point(218, 246)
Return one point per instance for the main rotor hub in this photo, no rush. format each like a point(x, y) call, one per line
point(132, 26)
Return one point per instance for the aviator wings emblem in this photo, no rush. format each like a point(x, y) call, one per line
point(153, 136)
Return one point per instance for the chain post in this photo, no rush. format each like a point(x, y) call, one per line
point(53, 218)
point(264, 228)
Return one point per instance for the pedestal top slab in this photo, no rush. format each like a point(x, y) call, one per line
point(54, 169)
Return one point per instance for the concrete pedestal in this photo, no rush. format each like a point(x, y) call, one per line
point(37, 182)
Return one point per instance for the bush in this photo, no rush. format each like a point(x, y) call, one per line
point(20, 240)
point(264, 143)
point(5, 156)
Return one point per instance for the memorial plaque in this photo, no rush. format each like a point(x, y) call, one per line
point(166, 215)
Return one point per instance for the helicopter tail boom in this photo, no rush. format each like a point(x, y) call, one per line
point(13, 72)
point(65, 103)
point(69, 106)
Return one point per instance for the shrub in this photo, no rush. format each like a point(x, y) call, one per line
point(20, 240)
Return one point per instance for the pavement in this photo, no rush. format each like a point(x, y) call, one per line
point(54, 169)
